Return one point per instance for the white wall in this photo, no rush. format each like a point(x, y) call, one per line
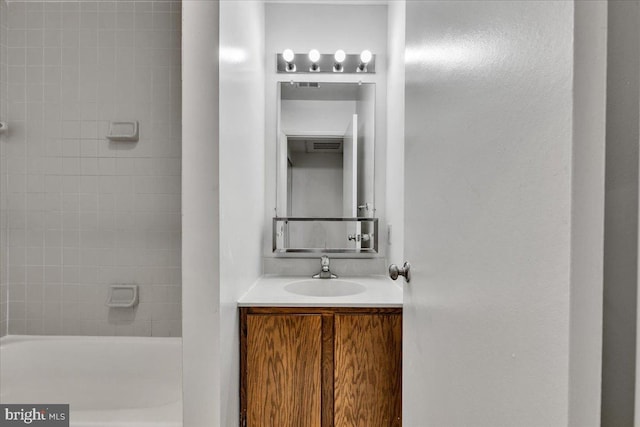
point(395, 132)
point(589, 89)
point(242, 148)
point(83, 213)
point(201, 353)
point(349, 27)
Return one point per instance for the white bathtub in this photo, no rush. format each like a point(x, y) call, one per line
point(107, 381)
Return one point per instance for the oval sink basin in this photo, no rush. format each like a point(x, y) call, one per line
point(325, 288)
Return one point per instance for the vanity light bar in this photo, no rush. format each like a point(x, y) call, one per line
point(315, 62)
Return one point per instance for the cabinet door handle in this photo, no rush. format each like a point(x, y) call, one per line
point(395, 271)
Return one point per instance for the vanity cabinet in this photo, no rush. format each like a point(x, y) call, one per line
point(320, 367)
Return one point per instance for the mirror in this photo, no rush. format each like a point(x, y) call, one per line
point(325, 166)
point(326, 137)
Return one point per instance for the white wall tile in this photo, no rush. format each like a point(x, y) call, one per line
point(81, 212)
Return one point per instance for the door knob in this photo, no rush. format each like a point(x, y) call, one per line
point(395, 271)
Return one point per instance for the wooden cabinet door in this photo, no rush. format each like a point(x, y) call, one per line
point(283, 370)
point(368, 370)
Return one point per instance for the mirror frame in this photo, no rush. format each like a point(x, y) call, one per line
point(366, 252)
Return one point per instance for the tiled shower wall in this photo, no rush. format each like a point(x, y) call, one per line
point(84, 213)
point(3, 168)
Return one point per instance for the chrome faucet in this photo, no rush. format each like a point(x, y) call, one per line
point(325, 273)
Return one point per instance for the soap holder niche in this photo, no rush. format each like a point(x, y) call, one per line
point(123, 131)
point(122, 296)
point(3, 127)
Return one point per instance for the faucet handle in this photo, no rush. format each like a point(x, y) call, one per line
point(325, 273)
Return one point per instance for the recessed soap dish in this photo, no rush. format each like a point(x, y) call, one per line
point(123, 131)
point(3, 127)
point(124, 295)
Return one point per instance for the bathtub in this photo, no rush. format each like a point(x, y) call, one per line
point(107, 381)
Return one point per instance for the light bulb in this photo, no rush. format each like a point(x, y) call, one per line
point(314, 55)
point(288, 55)
point(339, 56)
point(366, 56)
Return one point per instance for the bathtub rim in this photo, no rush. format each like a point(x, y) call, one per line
point(18, 338)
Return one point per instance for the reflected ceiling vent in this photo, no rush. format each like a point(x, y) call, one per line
point(315, 144)
point(324, 146)
point(313, 85)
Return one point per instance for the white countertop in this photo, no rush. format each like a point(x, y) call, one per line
point(269, 291)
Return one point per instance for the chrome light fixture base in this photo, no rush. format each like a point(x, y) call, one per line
point(325, 65)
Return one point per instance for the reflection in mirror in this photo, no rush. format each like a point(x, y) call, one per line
point(314, 176)
point(325, 161)
point(326, 150)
